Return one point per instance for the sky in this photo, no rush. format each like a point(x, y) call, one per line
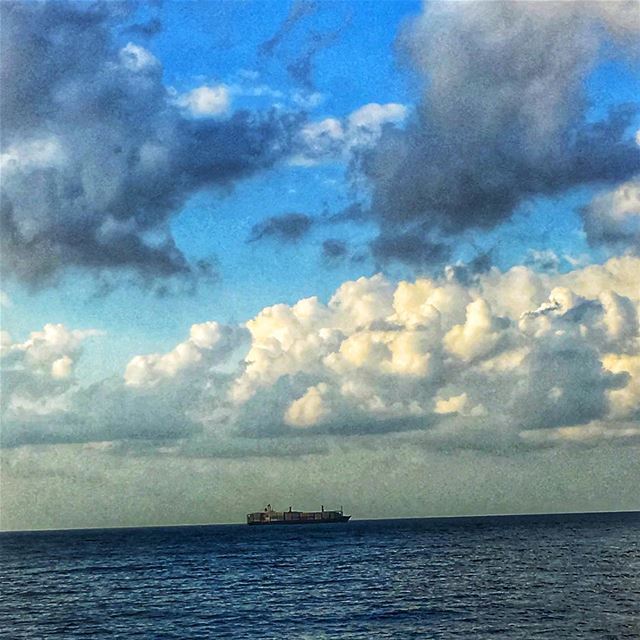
point(383, 255)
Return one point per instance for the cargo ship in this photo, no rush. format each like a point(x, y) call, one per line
point(269, 516)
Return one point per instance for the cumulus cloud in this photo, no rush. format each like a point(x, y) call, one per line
point(479, 335)
point(38, 372)
point(43, 350)
point(509, 353)
point(96, 155)
point(137, 58)
point(459, 404)
point(506, 360)
point(502, 118)
point(309, 409)
point(161, 397)
point(208, 345)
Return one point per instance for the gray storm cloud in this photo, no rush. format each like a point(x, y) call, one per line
point(502, 119)
point(96, 157)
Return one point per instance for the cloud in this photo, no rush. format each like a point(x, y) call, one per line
point(300, 69)
point(501, 362)
point(435, 352)
point(334, 250)
point(613, 218)
point(300, 54)
point(289, 227)
point(136, 58)
point(97, 158)
point(479, 335)
point(412, 247)
point(162, 397)
point(338, 139)
point(459, 404)
point(365, 124)
point(37, 373)
point(299, 10)
point(206, 101)
point(502, 117)
point(543, 260)
point(209, 344)
point(310, 409)
point(148, 29)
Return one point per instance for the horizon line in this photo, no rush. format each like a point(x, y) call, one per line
point(228, 524)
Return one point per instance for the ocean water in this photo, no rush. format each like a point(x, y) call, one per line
point(496, 577)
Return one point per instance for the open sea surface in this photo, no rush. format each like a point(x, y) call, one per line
point(569, 576)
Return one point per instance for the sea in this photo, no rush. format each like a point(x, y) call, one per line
point(553, 576)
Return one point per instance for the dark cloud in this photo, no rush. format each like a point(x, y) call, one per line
point(410, 247)
point(148, 29)
point(299, 10)
point(301, 68)
point(354, 212)
point(96, 157)
point(289, 227)
point(502, 119)
point(613, 219)
point(301, 57)
point(334, 250)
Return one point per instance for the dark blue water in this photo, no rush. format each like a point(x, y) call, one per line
point(524, 577)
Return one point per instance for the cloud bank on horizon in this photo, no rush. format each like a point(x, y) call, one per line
point(503, 361)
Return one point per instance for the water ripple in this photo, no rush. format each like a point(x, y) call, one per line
point(555, 577)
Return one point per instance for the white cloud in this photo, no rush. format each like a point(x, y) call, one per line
point(43, 348)
point(593, 432)
point(310, 409)
point(207, 101)
point(479, 335)
point(62, 367)
point(137, 58)
point(39, 372)
point(333, 139)
point(365, 124)
point(459, 404)
point(208, 345)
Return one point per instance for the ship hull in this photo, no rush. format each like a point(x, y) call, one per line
point(299, 522)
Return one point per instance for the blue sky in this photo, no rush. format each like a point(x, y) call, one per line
point(488, 147)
